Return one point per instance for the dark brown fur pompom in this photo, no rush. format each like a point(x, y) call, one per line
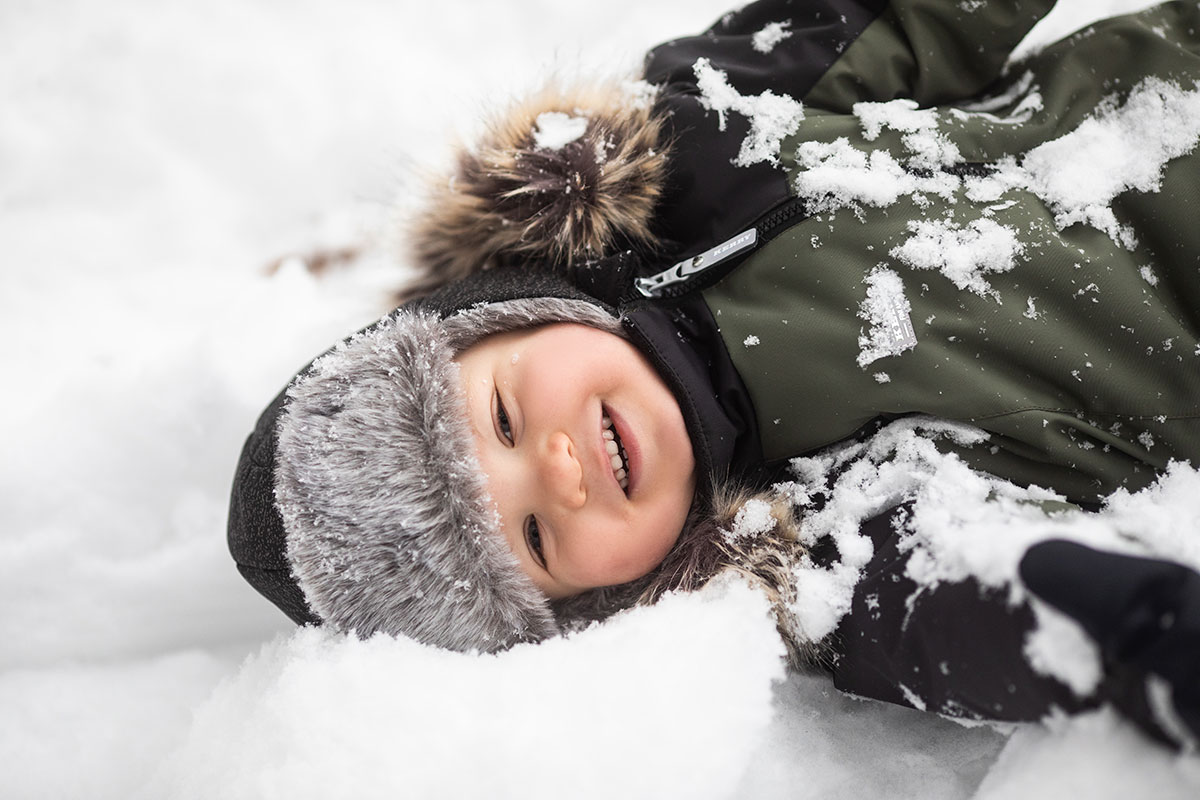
point(511, 201)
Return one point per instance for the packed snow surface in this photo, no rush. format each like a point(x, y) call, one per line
point(169, 170)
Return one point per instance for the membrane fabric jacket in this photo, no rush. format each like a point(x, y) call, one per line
point(930, 256)
point(863, 216)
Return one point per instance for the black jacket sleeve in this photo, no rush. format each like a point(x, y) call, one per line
point(956, 649)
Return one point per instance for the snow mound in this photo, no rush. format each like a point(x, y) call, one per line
point(668, 701)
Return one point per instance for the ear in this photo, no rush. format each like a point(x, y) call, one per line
point(562, 177)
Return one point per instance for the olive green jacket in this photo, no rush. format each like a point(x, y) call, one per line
point(1073, 342)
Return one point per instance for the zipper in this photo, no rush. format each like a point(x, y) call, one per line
point(697, 272)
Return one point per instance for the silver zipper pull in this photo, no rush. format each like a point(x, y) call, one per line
point(655, 284)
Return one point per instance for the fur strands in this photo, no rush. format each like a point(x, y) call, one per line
point(511, 199)
point(704, 550)
point(388, 521)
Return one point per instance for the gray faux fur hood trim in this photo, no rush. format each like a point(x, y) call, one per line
point(388, 523)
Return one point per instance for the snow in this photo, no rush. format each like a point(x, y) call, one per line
point(964, 254)
point(772, 33)
point(965, 524)
point(1059, 648)
point(1080, 173)
point(772, 116)
point(752, 519)
point(919, 126)
point(859, 481)
point(555, 130)
point(1077, 175)
point(887, 312)
point(315, 715)
point(158, 157)
point(1079, 750)
point(836, 175)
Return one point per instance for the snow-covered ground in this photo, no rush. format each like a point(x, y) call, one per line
point(156, 157)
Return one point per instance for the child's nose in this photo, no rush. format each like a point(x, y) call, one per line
point(561, 472)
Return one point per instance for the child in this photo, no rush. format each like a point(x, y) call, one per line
point(641, 303)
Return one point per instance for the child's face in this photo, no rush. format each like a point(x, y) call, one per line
point(538, 401)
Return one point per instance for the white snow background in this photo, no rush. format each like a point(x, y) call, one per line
point(155, 157)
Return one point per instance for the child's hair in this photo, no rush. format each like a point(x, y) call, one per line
point(708, 546)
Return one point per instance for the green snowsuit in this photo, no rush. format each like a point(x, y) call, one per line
point(1075, 347)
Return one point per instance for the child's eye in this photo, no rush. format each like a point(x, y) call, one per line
point(533, 538)
point(502, 419)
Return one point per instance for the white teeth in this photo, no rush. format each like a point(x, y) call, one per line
point(613, 450)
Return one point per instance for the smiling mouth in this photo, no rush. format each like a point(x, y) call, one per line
point(618, 459)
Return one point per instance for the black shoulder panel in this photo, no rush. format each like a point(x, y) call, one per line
point(708, 199)
point(818, 32)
